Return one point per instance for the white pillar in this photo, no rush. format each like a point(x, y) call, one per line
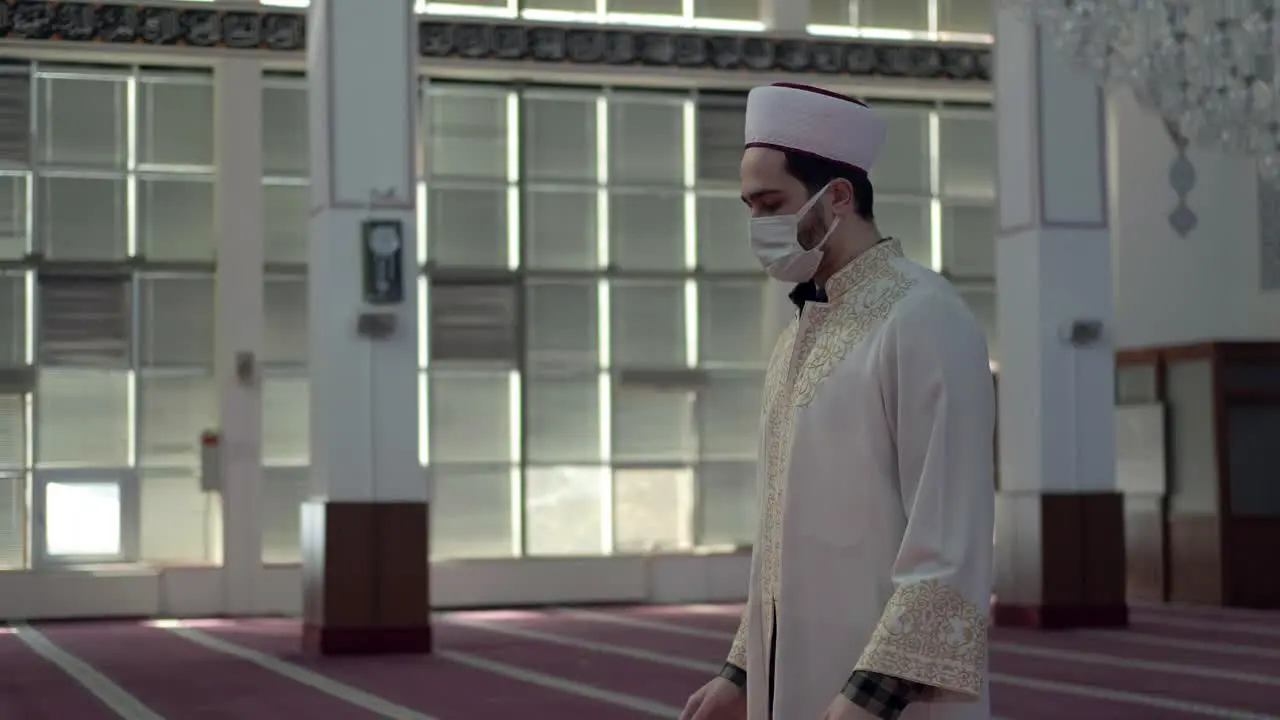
point(1053, 264)
point(785, 16)
point(364, 398)
point(239, 323)
point(370, 494)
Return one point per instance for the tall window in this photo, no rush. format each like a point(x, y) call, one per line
point(285, 395)
point(966, 192)
point(593, 342)
point(109, 243)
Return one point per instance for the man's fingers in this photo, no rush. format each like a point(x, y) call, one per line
point(690, 711)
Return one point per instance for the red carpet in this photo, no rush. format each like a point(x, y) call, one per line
point(613, 664)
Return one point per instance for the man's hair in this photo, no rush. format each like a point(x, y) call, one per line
point(815, 173)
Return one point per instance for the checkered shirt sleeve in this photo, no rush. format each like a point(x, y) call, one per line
point(883, 696)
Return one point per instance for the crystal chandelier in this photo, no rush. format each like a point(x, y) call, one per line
point(1209, 67)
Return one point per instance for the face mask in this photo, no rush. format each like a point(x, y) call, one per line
point(776, 242)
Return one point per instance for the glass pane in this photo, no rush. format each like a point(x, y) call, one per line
point(908, 221)
point(732, 323)
point(903, 166)
point(560, 138)
point(283, 492)
point(175, 123)
point(286, 214)
point(82, 418)
point(647, 7)
point(471, 417)
point(13, 432)
point(653, 510)
point(894, 14)
point(729, 415)
point(967, 156)
point(177, 321)
point(727, 9)
point(175, 219)
point(724, 238)
point(653, 426)
point(81, 218)
point(582, 6)
point(471, 512)
point(564, 511)
point(563, 419)
point(82, 519)
point(646, 142)
point(475, 322)
point(467, 227)
point(286, 148)
point(721, 135)
point(13, 521)
point(646, 231)
point(180, 523)
point(286, 421)
point(285, 304)
point(561, 324)
point(983, 305)
point(969, 240)
point(82, 121)
point(831, 12)
point(468, 132)
point(84, 320)
point(452, 7)
point(13, 217)
point(727, 503)
point(560, 230)
point(172, 412)
point(965, 16)
point(647, 324)
point(13, 320)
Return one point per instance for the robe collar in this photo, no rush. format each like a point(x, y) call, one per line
point(862, 268)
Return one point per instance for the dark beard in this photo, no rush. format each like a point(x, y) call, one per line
point(811, 232)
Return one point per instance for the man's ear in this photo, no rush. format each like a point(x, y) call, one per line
point(841, 192)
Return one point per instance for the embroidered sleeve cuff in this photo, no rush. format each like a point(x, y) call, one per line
point(881, 695)
point(931, 634)
point(734, 674)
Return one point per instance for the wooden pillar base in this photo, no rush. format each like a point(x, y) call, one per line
point(1060, 561)
point(365, 578)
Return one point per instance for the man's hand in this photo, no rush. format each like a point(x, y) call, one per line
point(843, 709)
point(717, 700)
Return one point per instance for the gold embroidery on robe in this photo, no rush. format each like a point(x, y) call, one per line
point(931, 634)
point(860, 297)
point(850, 322)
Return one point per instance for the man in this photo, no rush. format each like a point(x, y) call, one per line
point(871, 573)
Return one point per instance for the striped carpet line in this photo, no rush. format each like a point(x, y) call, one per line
point(100, 686)
point(346, 693)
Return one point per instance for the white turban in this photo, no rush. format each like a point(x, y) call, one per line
point(816, 122)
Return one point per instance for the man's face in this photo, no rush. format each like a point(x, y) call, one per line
point(767, 189)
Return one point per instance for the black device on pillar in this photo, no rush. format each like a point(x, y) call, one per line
point(383, 253)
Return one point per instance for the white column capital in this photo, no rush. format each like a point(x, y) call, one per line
point(362, 73)
point(1039, 95)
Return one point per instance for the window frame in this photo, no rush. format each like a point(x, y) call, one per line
point(130, 515)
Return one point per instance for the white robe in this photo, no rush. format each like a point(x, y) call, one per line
point(877, 483)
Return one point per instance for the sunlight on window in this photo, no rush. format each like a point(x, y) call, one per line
point(82, 519)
